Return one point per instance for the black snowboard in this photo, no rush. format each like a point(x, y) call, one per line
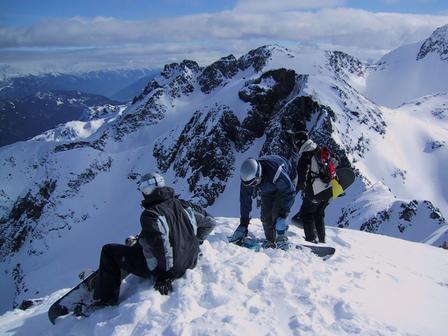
point(321, 251)
point(345, 177)
point(78, 300)
point(74, 300)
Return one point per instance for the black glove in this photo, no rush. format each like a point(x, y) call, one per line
point(164, 286)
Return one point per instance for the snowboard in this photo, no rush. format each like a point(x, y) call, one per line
point(321, 251)
point(345, 177)
point(78, 300)
point(78, 297)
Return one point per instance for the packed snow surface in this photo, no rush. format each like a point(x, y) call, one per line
point(373, 285)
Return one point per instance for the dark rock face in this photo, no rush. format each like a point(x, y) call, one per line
point(17, 226)
point(204, 147)
point(148, 113)
point(402, 214)
point(98, 144)
point(342, 63)
point(217, 73)
point(436, 43)
point(266, 94)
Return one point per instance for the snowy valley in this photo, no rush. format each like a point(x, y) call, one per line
point(67, 192)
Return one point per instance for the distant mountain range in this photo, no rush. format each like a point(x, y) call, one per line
point(24, 118)
point(120, 85)
point(30, 105)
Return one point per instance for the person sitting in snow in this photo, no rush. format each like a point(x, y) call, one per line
point(168, 244)
point(310, 181)
point(274, 177)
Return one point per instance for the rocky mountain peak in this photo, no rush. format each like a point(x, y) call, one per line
point(174, 69)
point(436, 43)
point(342, 63)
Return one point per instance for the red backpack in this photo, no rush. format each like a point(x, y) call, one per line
point(327, 170)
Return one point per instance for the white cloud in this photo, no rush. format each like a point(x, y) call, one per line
point(285, 5)
point(157, 42)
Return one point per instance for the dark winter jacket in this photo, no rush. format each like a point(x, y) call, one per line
point(278, 175)
point(168, 235)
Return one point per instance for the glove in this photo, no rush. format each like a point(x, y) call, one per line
point(239, 234)
point(164, 286)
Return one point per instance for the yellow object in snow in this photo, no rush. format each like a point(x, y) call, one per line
point(336, 188)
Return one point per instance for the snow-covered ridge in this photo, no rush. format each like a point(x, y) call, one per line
point(373, 285)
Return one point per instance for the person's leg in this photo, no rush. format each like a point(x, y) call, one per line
point(319, 220)
point(114, 258)
point(307, 211)
point(266, 214)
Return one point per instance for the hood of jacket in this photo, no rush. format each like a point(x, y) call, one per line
point(159, 195)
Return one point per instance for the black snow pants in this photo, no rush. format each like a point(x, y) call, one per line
point(312, 213)
point(114, 258)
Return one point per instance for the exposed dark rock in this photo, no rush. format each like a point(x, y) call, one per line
point(266, 94)
point(26, 304)
point(342, 63)
point(373, 224)
point(98, 144)
point(202, 153)
point(17, 225)
point(217, 73)
point(89, 174)
point(145, 114)
point(436, 43)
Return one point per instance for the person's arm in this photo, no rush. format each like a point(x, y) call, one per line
point(204, 221)
point(302, 172)
point(155, 235)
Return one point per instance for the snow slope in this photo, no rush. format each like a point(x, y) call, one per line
point(410, 72)
point(373, 285)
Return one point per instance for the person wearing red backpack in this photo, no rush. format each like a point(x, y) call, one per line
point(315, 170)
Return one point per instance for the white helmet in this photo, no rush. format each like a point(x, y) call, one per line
point(149, 182)
point(250, 172)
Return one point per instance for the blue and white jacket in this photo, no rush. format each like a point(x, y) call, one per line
point(278, 175)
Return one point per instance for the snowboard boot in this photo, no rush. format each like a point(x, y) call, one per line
point(282, 240)
point(268, 244)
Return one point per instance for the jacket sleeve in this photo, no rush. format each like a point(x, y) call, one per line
point(204, 221)
point(245, 201)
point(155, 236)
point(302, 171)
point(287, 193)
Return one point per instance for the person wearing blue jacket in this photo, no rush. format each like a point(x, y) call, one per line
point(274, 177)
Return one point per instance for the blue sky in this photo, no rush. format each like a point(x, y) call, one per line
point(50, 35)
point(18, 12)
